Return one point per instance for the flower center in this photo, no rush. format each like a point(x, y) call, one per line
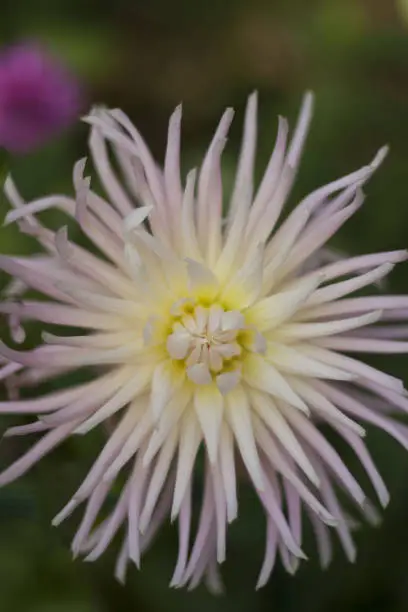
point(212, 342)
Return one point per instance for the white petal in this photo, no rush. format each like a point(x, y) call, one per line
point(209, 407)
point(199, 374)
point(201, 277)
point(337, 290)
point(243, 187)
point(184, 537)
point(158, 478)
point(136, 218)
point(292, 360)
point(258, 373)
point(227, 464)
point(271, 177)
point(273, 418)
point(249, 277)
point(303, 331)
point(215, 359)
point(166, 380)
point(220, 512)
point(132, 444)
point(188, 229)
point(138, 481)
point(214, 318)
point(228, 381)
point(239, 417)
point(318, 234)
point(169, 418)
point(280, 463)
point(324, 408)
point(128, 392)
point(172, 162)
point(355, 367)
point(318, 442)
point(190, 438)
point(232, 320)
point(209, 197)
point(277, 308)
point(49, 441)
point(178, 344)
point(301, 129)
point(270, 554)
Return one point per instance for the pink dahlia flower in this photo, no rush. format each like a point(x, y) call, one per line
point(38, 98)
point(225, 337)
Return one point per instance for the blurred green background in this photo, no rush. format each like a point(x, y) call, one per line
point(146, 57)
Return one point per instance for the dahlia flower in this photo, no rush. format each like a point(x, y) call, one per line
point(206, 337)
point(38, 97)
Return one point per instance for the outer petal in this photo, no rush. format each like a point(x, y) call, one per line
point(209, 407)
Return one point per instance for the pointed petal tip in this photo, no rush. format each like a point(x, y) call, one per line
point(8, 219)
point(137, 217)
point(380, 156)
point(135, 558)
point(175, 118)
point(308, 99)
point(80, 165)
point(385, 499)
point(121, 579)
point(252, 102)
point(329, 519)
point(92, 117)
point(143, 524)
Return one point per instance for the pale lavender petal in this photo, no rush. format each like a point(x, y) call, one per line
point(93, 507)
point(184, 536)
point(204, 528)
point(270, 554)
point(39, 450)
point(111, 526)
point(310, 433)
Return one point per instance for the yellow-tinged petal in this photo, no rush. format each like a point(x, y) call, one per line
point(167, 378)
point(202, 280)
point(279, 307)
point(261, 375)
point(169, 418)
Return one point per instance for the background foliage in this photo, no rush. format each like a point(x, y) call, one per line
point(146, 57)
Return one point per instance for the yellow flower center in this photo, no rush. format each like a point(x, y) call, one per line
point(211, 342)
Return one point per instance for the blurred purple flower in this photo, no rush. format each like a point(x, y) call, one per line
point(38, 97)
